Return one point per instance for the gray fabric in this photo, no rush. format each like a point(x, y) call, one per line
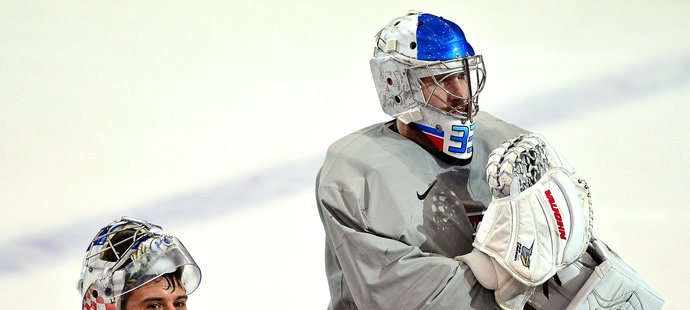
point(386, 248)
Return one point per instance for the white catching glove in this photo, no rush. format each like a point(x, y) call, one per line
point(539, 221)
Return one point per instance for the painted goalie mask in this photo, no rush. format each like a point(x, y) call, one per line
point(415, 57)
point(127, 254)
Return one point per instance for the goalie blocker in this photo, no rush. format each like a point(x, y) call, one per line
point(600, 279)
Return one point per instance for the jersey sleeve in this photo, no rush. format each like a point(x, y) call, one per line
point(370, 271)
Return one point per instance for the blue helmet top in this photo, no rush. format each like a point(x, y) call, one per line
point(440, 39)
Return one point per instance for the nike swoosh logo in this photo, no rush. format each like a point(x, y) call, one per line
point(422, 196)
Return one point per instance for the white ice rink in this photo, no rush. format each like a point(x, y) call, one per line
point(211, 118)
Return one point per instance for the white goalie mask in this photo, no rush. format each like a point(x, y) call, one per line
point(127, 254)
point(415, 58)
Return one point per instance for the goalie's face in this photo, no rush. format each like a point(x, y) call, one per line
point(448, 113)
point(449, 93)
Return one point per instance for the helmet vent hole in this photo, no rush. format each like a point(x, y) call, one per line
point(439, 128)
point(419, 24)
point(389, 81)
point(396, 23)
point(413, 45)
point(397, 99)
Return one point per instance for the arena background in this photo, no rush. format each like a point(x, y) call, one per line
point(211, 118)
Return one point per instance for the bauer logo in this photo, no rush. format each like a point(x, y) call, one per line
point(556, 214)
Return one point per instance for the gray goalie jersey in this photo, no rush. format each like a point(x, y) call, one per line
point(396, 216)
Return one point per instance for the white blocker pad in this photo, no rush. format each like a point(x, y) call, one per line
point(539, 231)
point(614, 284)
point(598, 280)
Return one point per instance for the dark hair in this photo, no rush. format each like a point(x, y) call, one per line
point(173, 280)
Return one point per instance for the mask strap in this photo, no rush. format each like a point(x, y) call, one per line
point(466, 73)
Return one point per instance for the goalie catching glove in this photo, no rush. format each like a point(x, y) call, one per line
point(539, 221)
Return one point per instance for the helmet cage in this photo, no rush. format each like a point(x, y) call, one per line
point(115, 265)
point(399, 83)
point(470, 69)
point(163, 254)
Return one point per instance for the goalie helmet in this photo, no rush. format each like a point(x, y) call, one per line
point(127, 254)
point(421, 47)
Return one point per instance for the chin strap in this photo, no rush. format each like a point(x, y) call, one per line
point(409, 116)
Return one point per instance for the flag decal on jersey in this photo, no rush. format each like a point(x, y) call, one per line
point(434, 135)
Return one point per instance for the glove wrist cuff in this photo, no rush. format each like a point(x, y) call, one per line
point(485, 269)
